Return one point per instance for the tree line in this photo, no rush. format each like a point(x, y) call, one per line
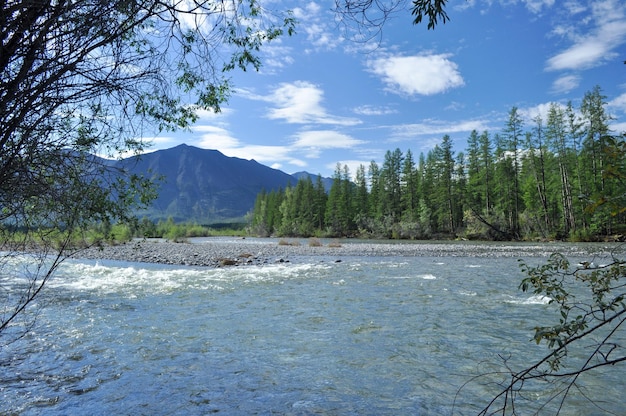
point(554, 178)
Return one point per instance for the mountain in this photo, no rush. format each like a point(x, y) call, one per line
point(326, 182)
point(204, 185)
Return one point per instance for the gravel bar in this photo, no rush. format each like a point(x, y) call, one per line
point(221, 252)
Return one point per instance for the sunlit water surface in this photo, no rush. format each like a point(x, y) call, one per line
point(364, 336)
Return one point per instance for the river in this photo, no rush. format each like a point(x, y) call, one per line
point(359, 335)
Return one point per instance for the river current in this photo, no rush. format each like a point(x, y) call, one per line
point(365, 335)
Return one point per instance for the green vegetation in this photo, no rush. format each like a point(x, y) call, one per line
point(121, 232)
point(172, 231)
point(555, 179)
point(168, 229)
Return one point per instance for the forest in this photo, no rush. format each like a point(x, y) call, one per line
point(555, 179)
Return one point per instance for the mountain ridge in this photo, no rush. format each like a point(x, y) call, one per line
point(204, 185)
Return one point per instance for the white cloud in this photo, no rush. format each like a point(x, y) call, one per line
point(161, 141)
point(439, 127)
point(213, 137)
point(597, 45)
point(276, 57)
point(205, 115)
point(417, 75)
point(536, 6)
point(317, 24)
point(300, 103)
point(574, 7)
point(261, 153)
point(565, 83)
point(315, 140)
point(618, 103)
point(529, 114)
point(619, 128)
point(370, 110)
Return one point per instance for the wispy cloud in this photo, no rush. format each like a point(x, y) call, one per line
point(300, 102)
point(276, 57)
point(536, 6)
point(417, 75)
point(439, 127)
point(618, 106)
point(222, 140)
point(598, 43)
point(530, 114)
point(371, 110)
point(618, 103)
point(565, 83)
point(276, 156)
point(317, 24)
point(316, 140)
point(214, 137)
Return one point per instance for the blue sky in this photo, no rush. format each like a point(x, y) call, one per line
point(322, 98)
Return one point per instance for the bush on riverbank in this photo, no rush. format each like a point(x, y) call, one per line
point(172, 231)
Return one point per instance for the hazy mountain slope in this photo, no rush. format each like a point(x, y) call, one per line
point(204, 185)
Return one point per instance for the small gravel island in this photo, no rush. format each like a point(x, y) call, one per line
point(225, 252)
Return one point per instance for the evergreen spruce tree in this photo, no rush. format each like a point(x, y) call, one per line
point(409, 186)
point(512, 135)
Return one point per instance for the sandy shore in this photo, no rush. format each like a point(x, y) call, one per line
point(220, 252)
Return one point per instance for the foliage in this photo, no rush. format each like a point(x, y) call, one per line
point(433, 9)
point(173, 231)
point(520, 184)
point(371, 15)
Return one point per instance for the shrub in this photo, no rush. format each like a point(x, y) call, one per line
point(314, 242)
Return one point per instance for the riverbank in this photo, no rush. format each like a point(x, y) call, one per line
point(222, 251)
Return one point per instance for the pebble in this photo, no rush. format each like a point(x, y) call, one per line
point(220, 253)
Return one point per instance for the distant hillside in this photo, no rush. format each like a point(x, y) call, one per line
point(327, 182)
point(204, 185)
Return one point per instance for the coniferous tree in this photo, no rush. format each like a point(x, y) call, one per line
point(391, 175)
point(504, 177)
point(427, 203)
point(289, 210)
point(347, 201)
point(361, 196)
point(304, 202)
point(486, 171)
point(409, 186)
point(596, 128)
point(535, 193)
point(376, 192)
point(319, 203)
point(575, 139)
point(339, 215)
point(459, 191)
point(593, 156)
point(443, 165)
point(512, 134)
point(274, 200)
point(259, 221)
point(556, 136)
point(474, 196)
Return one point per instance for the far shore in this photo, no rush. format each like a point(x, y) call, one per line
point(237, 251)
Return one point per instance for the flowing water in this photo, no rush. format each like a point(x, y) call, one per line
point(364, 336)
